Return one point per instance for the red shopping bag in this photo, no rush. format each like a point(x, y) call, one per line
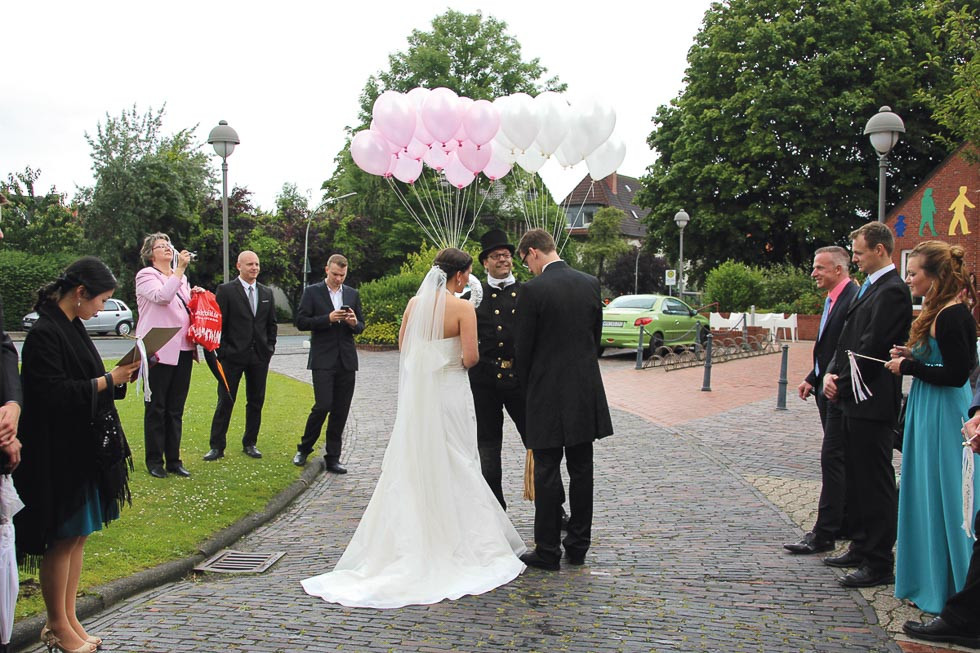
point(205, 329)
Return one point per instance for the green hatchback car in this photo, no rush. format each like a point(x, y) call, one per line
point(671, 323)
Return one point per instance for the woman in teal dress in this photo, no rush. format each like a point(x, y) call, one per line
point(933, 549)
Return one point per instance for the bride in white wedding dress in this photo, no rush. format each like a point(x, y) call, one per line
point(433, 529)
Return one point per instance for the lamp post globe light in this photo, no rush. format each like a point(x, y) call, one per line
point(681, 218)
point(884, 130)
point(306, 240)
point(224, 139)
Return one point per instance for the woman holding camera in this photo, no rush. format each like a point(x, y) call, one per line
point(74, 473)
point(162, 294)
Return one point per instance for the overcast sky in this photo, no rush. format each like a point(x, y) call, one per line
point(287, 75)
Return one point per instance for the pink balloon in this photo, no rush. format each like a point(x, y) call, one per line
point(422, 134)
point(440, 113)
point(416, 150)
point(449, 146)
point(436, 158)
point(481, 121)
point(474, 158)
point(407, 169)
point(394, 115)
point(457, 174)
point(394, 149)
point(496, 168)
point(370, 152)
point(464, 104)
point(417, 95)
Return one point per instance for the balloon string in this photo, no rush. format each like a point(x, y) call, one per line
point(408, 208)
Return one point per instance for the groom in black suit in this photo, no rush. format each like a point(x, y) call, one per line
point(332, 311)
point(248, 340)
point(559, 325)
point(877, 319)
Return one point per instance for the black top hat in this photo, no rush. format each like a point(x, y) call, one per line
point(494, 239)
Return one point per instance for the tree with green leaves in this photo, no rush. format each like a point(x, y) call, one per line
point(469, 53)
point(604, 242)
point(764, 146)
point(40, 224)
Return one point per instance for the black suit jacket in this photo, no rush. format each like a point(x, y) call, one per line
point(9, 375)
point(559, 326)
point(332, 343)
point(875, 322)
point(242, 332)
point(826, 345)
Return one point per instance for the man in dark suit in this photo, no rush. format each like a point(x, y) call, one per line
point(11, 397)
point(248, 340)
point(830, 272)
point(559, 325)
point(493, 380)
point(332, 311)
point(959, 622)
point(877, 319)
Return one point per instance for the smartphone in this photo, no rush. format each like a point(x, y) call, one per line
point(347, 308)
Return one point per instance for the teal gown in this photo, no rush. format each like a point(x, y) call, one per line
point(933, 551)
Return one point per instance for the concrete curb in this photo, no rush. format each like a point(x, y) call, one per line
point(25, 632)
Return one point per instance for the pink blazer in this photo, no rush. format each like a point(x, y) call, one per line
point(159, 306)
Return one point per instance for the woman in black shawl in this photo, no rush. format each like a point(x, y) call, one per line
point(72, 478)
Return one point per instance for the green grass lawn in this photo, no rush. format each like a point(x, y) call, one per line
point(170, 517)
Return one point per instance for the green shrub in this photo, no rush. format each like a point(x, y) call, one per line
point(734, 286)
point(21, 275)
point(784, 285)
point(379, 333)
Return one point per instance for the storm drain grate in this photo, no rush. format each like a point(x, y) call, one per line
point(239, 562)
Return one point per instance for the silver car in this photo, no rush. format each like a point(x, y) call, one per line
point(116, 317)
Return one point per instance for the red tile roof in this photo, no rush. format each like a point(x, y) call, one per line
point(616, 191)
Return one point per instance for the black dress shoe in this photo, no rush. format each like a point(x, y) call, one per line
point(336, 468)
point(532, 559)
point(846, 559)
point(157, 472)
point(867, 577)
point(300, 458)
point(810, 545)
point(252, 452)
point(938, 630)
point(180, 471)
point(574, 558)
point(214, 454)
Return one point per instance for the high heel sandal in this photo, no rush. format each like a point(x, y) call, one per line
point(91, 639)
point(49, 639)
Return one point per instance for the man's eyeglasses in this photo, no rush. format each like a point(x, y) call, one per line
point(500, 256)
point(524, 258)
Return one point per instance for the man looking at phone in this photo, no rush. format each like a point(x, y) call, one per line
point(332, 312)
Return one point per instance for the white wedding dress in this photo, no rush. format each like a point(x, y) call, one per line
point(433, 529)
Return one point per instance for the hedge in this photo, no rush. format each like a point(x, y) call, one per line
point(21, 275)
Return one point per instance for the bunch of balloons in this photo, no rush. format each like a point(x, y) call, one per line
point(463, 138)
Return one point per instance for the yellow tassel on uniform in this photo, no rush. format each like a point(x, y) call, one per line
point(529, 476)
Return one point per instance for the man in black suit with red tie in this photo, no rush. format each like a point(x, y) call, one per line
point(559, 327)
point(332, 311)
point(248, 341)
point(830, 272)
point(869, 397)
point(959, 622)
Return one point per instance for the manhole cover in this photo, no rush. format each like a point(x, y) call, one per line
point(239, 562)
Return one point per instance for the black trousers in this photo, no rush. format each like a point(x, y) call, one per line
point(163, 415)
point(332, 394)
point(962, 610)
point(549, 494)
point(490, 400)
point(256, 371)
point(832, 516)
point(872, 497)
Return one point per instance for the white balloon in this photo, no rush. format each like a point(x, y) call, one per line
point(531, 160)
point(553, 115)
point(597, 119)
point(519, 120)
point(503, 149)
point(566, 155)
point(606, 158)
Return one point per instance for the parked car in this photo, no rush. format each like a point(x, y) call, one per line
point(116, 317)
point(672, 323)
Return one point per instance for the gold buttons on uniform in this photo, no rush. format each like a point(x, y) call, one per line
point(500, 344)
point(500, 376)
point(493, 294)
point(513, 294)
point(500, 328)
point(496, 311)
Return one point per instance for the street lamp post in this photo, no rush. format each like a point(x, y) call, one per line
point(681, 218)
point(224, 139)
point(306, 240)
point(883, 129)
point(636, 272)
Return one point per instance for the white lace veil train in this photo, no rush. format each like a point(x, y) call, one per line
point(426, 323)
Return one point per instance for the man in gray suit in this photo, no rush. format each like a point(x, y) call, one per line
point(559, 326)
point(332, 311)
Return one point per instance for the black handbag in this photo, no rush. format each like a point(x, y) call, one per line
point(111, 446)
point(898, 431)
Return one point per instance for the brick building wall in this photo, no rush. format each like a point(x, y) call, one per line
point(939, 196)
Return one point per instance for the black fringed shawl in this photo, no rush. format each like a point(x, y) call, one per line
point(60, 365)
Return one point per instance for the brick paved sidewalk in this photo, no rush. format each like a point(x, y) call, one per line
point(694, 495)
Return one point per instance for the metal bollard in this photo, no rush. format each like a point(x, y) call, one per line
point(706, 383)
point(781, 396)
point(639, 351)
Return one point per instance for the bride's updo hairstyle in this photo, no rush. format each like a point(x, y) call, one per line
point(943, 263)
point(452, 260)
